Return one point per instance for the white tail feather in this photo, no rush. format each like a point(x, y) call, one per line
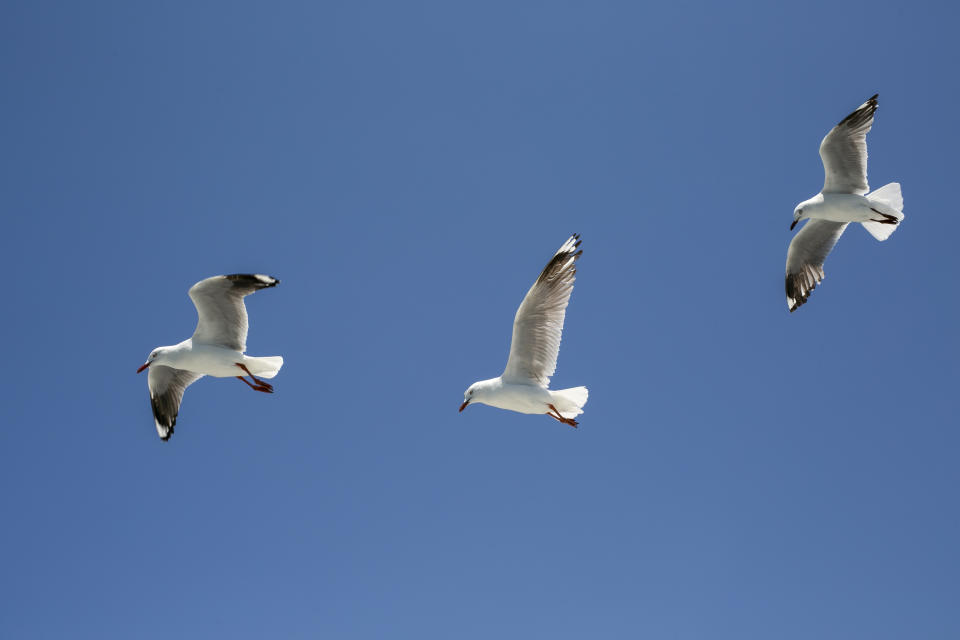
point(889, 194)
point(569, 402)
point(265, 367)
point(888, 200)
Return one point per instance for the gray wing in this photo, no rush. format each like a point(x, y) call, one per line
point(166, 390)
point(844, 152)
point(222, 314)
point(539, 320)
point(805, 257)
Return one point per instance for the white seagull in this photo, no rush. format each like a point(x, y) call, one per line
point(533, 352)
point(845, 198)
point(215, 349)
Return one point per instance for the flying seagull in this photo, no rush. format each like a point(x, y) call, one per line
point(845, 198)
point(215, 349)
point(523, 387)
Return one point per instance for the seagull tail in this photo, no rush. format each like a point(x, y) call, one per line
point(569, 402)
point(887, 201)
point(265, 367)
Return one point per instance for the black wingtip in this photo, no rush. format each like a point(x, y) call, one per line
point(561, 256)
point(576, 244)
point(798, 288)
point(863, 113)
point(165, 418)
point(255, 280)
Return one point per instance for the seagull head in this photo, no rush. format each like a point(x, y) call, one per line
point(468, 395)
point(806, 209)
point(797, 216)
point(154, 355)
point(480, 391)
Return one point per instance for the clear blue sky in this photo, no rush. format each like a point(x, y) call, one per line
point(406, 169)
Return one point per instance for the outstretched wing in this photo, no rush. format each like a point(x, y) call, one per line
point(166, 391)
point(806, 255)
point(844, 152)
point(539, 320)
point(222, 314)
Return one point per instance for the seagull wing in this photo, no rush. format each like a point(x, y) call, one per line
point(539, 320)
point(844, 152)
point(805, 257)
point(222, 314)
point(166, 390)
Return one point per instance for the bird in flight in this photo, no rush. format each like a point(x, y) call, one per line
point(215, 349)
point(523, 386)
point(845, 198)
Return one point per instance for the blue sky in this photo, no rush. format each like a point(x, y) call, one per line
point(406, 169)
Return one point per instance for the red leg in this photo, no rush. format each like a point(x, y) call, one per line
point(255, 387)
point(887, 218)
point(263, 383)
point(556, 416)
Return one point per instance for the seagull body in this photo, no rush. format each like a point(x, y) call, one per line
point(845, 198)
point(537, 328)
point(210, 360)
point(215, 349)
point(839, 207)
point(521, 397)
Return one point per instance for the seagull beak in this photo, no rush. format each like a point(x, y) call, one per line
point(464, 405)
point(793, 225)
point(143, 366)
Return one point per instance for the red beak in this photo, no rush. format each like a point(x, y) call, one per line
point(464, 405)
point(143, 366)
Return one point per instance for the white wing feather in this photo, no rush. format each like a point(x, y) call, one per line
point(166, 386)
point(805, 257)
point(844, 152)
point(538, 324)
point(222, 314)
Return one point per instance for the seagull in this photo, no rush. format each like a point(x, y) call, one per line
point(215, 349)
point(845, 198)
point(523, 387)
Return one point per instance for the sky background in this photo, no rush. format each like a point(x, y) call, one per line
point(406, 169)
